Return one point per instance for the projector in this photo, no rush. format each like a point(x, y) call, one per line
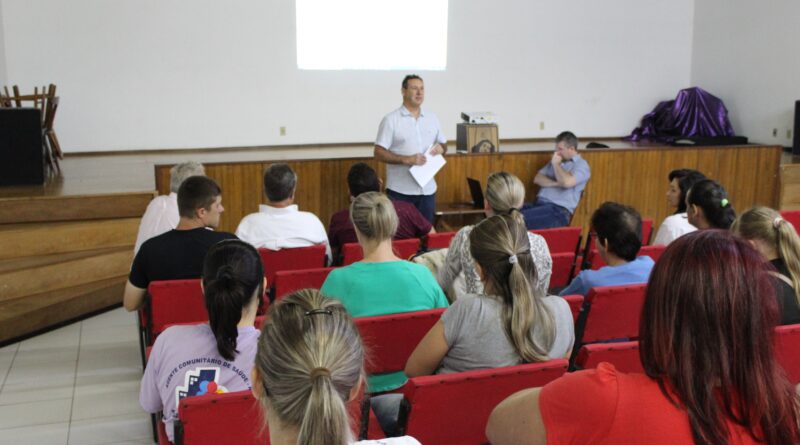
point(479, 117)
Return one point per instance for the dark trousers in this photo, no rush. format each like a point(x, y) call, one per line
point(545, 215)
point(426, 204)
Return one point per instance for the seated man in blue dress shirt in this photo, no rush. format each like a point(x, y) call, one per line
point(619, 238)
point(562, 182)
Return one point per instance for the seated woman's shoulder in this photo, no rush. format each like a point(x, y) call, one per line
point(405, 440)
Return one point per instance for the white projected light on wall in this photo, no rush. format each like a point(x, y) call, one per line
point(372, 34)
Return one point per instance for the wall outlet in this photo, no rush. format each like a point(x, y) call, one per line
point(541, 125)
point(774, 132)
point(283, 131)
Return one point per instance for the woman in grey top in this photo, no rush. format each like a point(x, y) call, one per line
point(511, 323)
point(504, 193)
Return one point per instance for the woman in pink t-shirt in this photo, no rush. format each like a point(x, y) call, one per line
point(706, 348)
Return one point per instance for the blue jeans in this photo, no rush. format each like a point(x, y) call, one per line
point(426, 204)
point(545, 215)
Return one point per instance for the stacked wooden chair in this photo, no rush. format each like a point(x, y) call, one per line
point(46, 101)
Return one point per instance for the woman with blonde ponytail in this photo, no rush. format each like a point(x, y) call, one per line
point(504, 194)
point(200, 359)
point(776, 239)
point(310, 364)
point(512, 322)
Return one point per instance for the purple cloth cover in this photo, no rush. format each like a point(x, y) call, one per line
point(694, 112)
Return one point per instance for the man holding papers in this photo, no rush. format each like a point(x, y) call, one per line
point(409, 138)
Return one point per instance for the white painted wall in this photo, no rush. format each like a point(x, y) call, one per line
point(747, 53)
point(2, 49)
point(154, 74)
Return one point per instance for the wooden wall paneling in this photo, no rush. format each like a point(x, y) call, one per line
point(789, 187)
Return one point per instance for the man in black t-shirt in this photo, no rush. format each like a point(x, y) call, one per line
point(179, 253)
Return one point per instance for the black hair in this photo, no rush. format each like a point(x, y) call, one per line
point(568, 138)
point(409, 77)
point(686, 179)
point(279, 182)
point(232, 273)
point(713, 199)
point(621, 226)
point(362, 178)
point(197, 192)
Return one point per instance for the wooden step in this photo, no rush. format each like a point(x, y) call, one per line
point(36, 239)
point(32, 313)
point(73, 208)
point(34, 275)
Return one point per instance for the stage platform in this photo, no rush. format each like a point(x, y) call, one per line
point(66, 246)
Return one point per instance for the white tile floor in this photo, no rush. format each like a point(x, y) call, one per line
point(75, 385)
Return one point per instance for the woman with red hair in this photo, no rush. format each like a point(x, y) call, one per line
point(706, 348)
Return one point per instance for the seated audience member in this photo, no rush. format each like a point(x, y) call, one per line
point(310, 364)
point(162, 212)
point(707, 206)
point(381, 283)
point(511, 322)
point(233, 288)
point(360, 179)
point(711, 376)
point(280, 224)
point(776, 239)
point(677, 224)
point(618, 239)
point(178, 254)
point(504, 195)
point(562, 182)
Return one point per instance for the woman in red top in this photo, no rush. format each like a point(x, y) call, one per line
point(706, 347)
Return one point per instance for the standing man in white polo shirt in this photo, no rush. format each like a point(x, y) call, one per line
point(404, 136)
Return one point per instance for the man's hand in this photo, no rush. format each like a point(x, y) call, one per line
point(417, 159)
point(557, 159)
point(437, 150)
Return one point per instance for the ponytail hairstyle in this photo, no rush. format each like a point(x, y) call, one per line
point(374, 216)
point(500, 246)
point(768, 226)
point(713, 199)
point(504, 192)
point(232, 277)
point(310, 358)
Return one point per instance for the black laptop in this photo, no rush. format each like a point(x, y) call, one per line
point(476, 191)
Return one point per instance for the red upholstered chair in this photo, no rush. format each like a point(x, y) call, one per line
point(647, 230)
point(439, 240)
point(404, 248)
point(793, 216)
point(174, 302)
point(291, 259)
point(787, 350)
point(390, 339)
point(623, 355)
point(220, 418)
point(562, 239)
point(609, 313)
point(452, 409)
point(575, 303)
point(653, 252)
point(562, 268)
point(288, 281)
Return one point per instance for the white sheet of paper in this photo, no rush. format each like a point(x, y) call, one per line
point(425, 172)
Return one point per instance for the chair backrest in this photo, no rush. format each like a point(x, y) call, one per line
point(787, 351)
point(562, 239)
point(291, 259)
point(575, 303)
point(452, 409)
point(623, 355)
point(173, 302)
point(390, 339)
point(653, 252)
point(404, 249)
point(647, 230)
point(220, 418)
point(793, 216)
point(288, 281)
point(562, 268)
point(439, 240)
point(610, 312)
